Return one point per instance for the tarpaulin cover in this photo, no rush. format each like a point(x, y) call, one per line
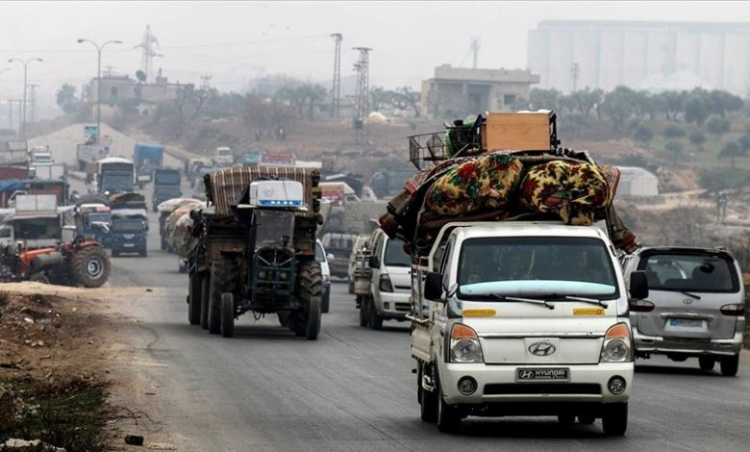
point(11, 185)
point(224, 188)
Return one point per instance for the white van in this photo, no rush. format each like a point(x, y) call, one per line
point(523, 319)
point(390, 284)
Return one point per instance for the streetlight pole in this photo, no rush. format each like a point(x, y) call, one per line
point(1, 97)
point(99, 49)
point(25, 78)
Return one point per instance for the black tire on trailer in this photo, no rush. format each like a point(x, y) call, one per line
point(311, 294)
point(90, 266)
point(363, 311)
point(225, 276)
point(227, 314)
point(194, 299)
point(205, 294)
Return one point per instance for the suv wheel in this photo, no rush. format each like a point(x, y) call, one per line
point(706, 363)
point(730, 365)
point(615, 419)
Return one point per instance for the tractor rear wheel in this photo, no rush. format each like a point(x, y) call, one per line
point(205, 294)
point(40, 277)
point(311, 295)
point(225, 276)
point(194, 299)
point(90, 266)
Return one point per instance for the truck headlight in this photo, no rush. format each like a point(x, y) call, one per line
point(618, 345)
point(464, 345)
point(385, 284)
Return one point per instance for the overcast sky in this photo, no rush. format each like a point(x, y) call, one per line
point(235, 42)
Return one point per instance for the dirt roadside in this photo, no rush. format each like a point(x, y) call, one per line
point(64, 370)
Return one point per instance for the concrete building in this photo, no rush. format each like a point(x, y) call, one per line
point(457, 92)
point(635, 181)
point(654, 56)
point(118, 89)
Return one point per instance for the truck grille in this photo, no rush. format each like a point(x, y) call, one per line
point(543, 388)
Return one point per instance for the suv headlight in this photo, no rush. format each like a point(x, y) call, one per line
point(464, 345)
point(385, 284)
point(618, 345)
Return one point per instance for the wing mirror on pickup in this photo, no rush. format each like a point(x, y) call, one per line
point(638, 285)
point(373, 262)
point(433, 286)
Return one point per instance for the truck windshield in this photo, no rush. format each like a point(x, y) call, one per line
point(168, 178)
point(535, 267)
point(698, 272)
point(395, 256)
point(128, 225)
point(117, 181)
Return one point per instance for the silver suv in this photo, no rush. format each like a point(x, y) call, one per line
point(695, 307)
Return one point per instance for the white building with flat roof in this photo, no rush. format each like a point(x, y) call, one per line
point(656, 56)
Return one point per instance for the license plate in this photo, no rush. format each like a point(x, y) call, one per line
point(543, 374)
point(129, 245)
point(689, 323)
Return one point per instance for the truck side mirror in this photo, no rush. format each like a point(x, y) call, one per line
point(433, 286)
point(373, 262)
point(638, 285)
point(330, 257)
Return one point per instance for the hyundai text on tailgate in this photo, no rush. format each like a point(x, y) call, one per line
point(695, 309)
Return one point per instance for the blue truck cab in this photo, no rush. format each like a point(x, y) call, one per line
point(147, 158)
point(166, 186)
point(129, 232)
point(94, 213)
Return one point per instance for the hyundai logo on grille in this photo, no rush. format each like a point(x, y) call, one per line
point(687, 301)
point(526, 374)
point(542, 349)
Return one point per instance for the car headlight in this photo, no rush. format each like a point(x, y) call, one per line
point(618, 345)
point(262, 274)
point(283, 276)
point(385, 284)
point(464, 345)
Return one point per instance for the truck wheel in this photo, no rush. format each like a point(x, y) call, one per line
point(144, 252)
point(194, 299)
point(325, 306)
point(615, 419)
point(566, 420)
point(225, 274)
point(311, 293)
point(448, 420)
point(90, 266)
point(205, 293)
point(363, 311)
point(427, 400)
point(374, 320)
point(227, 315)
point(706, 363)
point(586, 419)
point(163, 245)
point(351, 287)
point(40, 277)
point(730, 365)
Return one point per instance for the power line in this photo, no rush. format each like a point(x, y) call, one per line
point(226, 44)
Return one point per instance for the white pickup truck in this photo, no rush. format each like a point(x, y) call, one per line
point(523, 318)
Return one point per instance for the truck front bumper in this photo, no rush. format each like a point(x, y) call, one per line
point(498, 384)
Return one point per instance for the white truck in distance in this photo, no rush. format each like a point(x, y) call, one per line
point(223, 157)
point(522, 318)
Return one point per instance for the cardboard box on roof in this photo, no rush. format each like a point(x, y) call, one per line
point(517, 131)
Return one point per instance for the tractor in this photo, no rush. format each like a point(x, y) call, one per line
point(256, 250)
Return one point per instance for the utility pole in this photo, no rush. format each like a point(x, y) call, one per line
point(32, 101)
point(575, 72)
point(7, 69)
point(475, 51)
point(336, 89)
point(205, 80)
point(362, 68)
point(99, 49)
point(25, 64)
point(10, 112)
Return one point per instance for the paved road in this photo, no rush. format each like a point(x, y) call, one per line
point(353, 390)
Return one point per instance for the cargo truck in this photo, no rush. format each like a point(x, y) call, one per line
point(115, 175)
point(166, 186)
point(147, 157)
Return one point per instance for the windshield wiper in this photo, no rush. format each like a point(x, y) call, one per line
point(536, 301)
point(690, 294)
point(601, 303)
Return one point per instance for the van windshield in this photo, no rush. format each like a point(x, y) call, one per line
point(490, 268)
point(395, 256)
point(696, 272)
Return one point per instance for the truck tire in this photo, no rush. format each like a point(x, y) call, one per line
point(225, 275)
point(194, 299)
point(164, 244)
point(615, 419)
point(427, 400)
point(227, 314)
point(448, 419)
point(144, 252)
point(90, 266)
point(205, 293)
point(40, 277)
point(363, 311)
point(706, 363)
point(374, 320)
point(311, 294)
point(326, 303)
